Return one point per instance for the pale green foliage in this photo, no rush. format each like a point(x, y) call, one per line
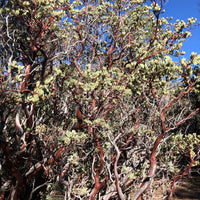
point(178, 145)
point(69, 136)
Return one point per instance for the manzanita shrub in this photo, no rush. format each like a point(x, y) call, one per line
point(96, 100)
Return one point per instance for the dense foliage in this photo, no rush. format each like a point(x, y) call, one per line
point(96, 100)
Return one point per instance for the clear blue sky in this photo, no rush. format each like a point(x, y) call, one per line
point(184, 9)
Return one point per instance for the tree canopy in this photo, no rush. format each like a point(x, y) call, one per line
point(96, 100)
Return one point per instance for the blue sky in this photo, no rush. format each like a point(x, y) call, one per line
point(184, 9)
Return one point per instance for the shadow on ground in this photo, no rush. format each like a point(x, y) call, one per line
point(188, 189)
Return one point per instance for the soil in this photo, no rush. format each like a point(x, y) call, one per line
point(188, 189)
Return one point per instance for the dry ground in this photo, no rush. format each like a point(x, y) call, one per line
point(188, 189)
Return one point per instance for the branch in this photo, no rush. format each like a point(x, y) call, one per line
point(184, 172)
point(17, 182)
point(119, 190)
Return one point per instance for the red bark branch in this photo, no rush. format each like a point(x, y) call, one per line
point(98, 185)
point(17, 182)
point(176, 177)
